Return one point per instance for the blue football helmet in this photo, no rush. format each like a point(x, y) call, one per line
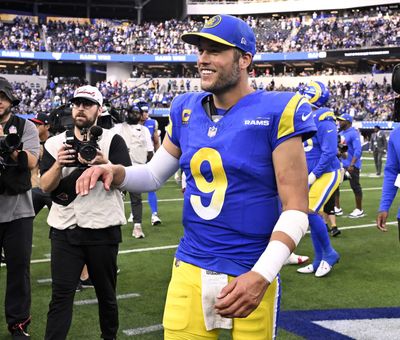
point(316, 93)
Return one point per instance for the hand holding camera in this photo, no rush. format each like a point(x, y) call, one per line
point(77, 153)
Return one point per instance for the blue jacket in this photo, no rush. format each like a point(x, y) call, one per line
point(352, 139)
point(321, 149)
point(392, 170)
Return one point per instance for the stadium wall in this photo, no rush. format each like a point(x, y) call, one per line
point(258, 7)
point(34, 81)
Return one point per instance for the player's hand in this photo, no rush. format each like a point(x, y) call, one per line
point(381, 220)
point(242, 295)
point(90, 176)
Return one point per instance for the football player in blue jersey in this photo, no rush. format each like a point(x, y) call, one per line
point(323, 178)
point(246, 200)
point(152, 125)
point(391, 181)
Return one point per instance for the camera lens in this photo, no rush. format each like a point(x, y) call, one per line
point(88, 152)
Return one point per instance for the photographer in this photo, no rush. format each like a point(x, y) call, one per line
point(19, 151)
point(84, 230)
point(40, 198)
point(138, 139)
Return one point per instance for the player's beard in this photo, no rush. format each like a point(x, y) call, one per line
point(226, 80)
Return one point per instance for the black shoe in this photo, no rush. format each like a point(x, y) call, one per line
point(335, 232)
point(19, 330)
point(79, 287)
point(87, 283)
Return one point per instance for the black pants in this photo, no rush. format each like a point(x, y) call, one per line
point(378, 161)
point(136, 207)
point(67, 261)
point(40, 199)
point(355, 181)
point(16, 240)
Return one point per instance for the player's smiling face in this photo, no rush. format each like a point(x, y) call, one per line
point(218, 66)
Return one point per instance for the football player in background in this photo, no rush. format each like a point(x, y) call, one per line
point(246, 200)
point(391, 181)
point(152, 125)
point(352, 164)
point(323, 177)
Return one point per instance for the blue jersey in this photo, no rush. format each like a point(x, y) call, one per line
point(321, 149)
point(392, 170)
point(231, 201)
point(352, 138)
point(151, 125)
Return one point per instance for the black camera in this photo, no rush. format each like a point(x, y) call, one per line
point(8, 144)
point(86, 148)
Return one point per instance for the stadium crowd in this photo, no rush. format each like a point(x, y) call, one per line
point(312, 32)
point(364, 100)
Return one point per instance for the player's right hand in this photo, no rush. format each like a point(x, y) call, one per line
point(381, 220)
point(90, 176)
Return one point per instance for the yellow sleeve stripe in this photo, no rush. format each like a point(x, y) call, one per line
point(168, 128)
point(286, 123)
point(327, 114)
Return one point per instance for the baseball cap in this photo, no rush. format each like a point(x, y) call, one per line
point(227, 30)
point(7, 89)
point(41, 119)
point(88, 92)
point(346, 117)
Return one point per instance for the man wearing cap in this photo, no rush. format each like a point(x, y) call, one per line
point(351, 137)
point(378, 144)
point(40, 198)
point(242, 153)
point(16, 208)
point(84, 230)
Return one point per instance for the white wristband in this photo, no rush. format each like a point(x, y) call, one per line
point(293, 223)
point(271, 260)
point(311, 178)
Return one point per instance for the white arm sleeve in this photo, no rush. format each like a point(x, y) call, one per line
point(149, 177)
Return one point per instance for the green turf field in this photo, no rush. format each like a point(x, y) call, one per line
point(367, 275)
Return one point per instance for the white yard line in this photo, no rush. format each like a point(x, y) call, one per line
point(94, 301)
point(142, 330)
point(141, 250)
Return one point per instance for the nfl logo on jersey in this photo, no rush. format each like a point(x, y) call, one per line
point(212, 131)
